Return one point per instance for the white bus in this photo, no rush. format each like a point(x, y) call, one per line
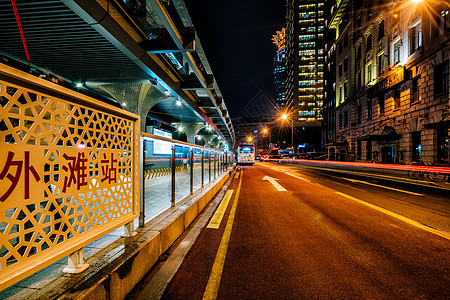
point(245, 154)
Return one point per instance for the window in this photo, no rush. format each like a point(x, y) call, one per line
point(346, 118)
point(345, 90)
point(369, 43)
point(397, 51)
point(369, 73)
point(358, 53)
point(415, 90)
point(380, 64)
point(381, 104)
point(441, 78)
point(341, 95)
point(340, 121)
point(442, 145)
point(396, 99)
point(415, 37)
point(441, 23)
point(369, 109)
point(340, 70)
point(345, 64)
point(445, 18)
point(381, 30)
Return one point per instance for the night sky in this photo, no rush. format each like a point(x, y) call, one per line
point(236, 37)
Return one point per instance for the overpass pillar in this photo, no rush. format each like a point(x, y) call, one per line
point(191, 130)
point(207, 138)
point(137, 98)
point(216, 143)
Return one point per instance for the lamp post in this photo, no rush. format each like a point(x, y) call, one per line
point(266, 132)
point(285, 117)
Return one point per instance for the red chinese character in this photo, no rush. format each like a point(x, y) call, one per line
point(108, 170)
point(77, 168)
point(15, 178)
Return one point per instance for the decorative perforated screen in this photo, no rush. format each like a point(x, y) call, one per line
point(67, 174)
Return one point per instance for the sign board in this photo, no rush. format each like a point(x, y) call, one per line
point(393, 78)
point(68, 172)
point(162, 147)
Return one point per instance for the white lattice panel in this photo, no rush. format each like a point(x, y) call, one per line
point(66, 177)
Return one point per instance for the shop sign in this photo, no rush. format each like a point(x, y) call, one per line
point(395, 77)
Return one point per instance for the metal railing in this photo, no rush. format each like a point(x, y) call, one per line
point(173, 170)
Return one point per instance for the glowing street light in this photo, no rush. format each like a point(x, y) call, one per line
point(285, 116)
point(249, 139)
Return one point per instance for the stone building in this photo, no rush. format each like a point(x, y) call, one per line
point(392, 80)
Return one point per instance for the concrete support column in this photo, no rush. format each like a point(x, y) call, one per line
point(207, 138)
point(216, 143)
point(137, 98)
point(191, 130)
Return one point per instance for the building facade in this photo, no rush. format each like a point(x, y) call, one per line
point(279, 68)
point(392, 80)
point(305, 61)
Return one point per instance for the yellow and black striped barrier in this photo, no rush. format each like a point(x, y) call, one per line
point(155, 173)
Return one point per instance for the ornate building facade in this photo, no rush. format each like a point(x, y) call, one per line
point(392, 80)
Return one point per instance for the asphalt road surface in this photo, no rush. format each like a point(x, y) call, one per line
point(297, 233)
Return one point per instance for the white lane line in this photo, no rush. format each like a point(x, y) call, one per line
point(301, 178)
point(384, 187)
point(397, 216)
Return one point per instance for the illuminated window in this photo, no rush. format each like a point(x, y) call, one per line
point(397, 46)
point(369, 73)
point(415, 37)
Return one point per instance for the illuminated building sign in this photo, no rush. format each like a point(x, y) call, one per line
point(280, 39)
point(162, 147)
point(389, 81)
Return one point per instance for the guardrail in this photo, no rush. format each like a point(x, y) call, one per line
point(174, 170)
point(68, 174)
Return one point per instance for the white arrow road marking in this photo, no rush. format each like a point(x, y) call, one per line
point(275, 184)
point(384, 187)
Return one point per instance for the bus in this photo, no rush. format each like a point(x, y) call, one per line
point(245, 154)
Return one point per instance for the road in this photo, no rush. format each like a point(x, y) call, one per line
point(294, 233)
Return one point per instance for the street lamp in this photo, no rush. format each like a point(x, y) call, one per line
point(285, 116)
point(265, 132)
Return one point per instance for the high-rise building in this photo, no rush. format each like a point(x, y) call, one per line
point(279, 68)
point(305, 61)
